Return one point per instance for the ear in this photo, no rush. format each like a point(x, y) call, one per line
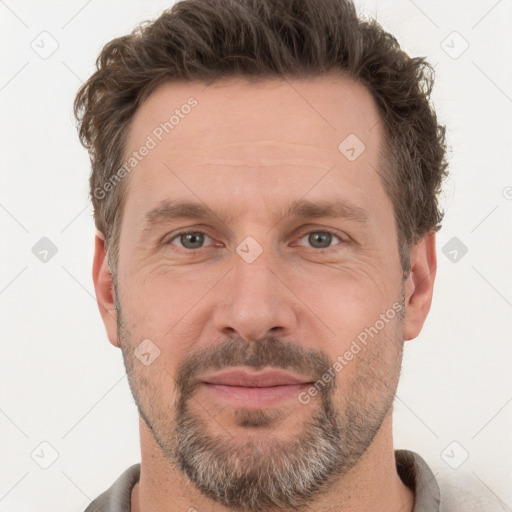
point(104, 288)
point(419, 285)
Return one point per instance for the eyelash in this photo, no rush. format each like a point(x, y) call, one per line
point(188, 232)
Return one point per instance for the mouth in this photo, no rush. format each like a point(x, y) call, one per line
point(264, 389)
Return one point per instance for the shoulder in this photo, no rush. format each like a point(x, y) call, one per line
point(446, 490)
point(117, 498)
point(465, 492)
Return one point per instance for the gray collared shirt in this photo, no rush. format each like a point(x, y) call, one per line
point(413, 471)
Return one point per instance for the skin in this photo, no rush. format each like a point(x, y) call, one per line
point(247, 150)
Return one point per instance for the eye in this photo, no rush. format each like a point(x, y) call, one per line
point(320, 239)
point(189, 239)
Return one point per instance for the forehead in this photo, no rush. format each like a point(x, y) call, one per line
point(276, 136)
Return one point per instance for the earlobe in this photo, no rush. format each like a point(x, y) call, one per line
point(419, 285)
point(104, 288)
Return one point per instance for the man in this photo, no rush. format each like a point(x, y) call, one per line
point(264, 180)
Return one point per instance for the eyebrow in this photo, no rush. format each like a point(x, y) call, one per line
point(169, 210)
point(335, 209)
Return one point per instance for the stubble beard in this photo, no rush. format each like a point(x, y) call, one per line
point(268, 473)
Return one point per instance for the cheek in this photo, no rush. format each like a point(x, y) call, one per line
point(171, 305)
point(345, 300)
point(365, 345)
point(367, 362)
point(150, 371)
point(158, 298)
point(170, 309)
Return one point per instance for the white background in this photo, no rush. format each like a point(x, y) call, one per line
point(63, 383)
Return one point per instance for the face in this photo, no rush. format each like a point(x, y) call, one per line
point(250, 241)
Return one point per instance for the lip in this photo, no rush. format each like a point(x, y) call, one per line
point(242, 378)
point(255, 390)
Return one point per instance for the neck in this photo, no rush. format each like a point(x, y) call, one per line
point(372, 484)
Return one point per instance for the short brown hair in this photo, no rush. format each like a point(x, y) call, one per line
point(208, 40)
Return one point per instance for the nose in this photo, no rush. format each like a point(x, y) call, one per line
point(256, 301)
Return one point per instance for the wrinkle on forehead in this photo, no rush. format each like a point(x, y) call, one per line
point(284, 136)
point(256, 153)
point(273, 112)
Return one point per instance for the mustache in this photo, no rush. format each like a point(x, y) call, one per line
point(265, 352)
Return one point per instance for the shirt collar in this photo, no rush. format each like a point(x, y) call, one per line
point(415, 473)
point(411, 468)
